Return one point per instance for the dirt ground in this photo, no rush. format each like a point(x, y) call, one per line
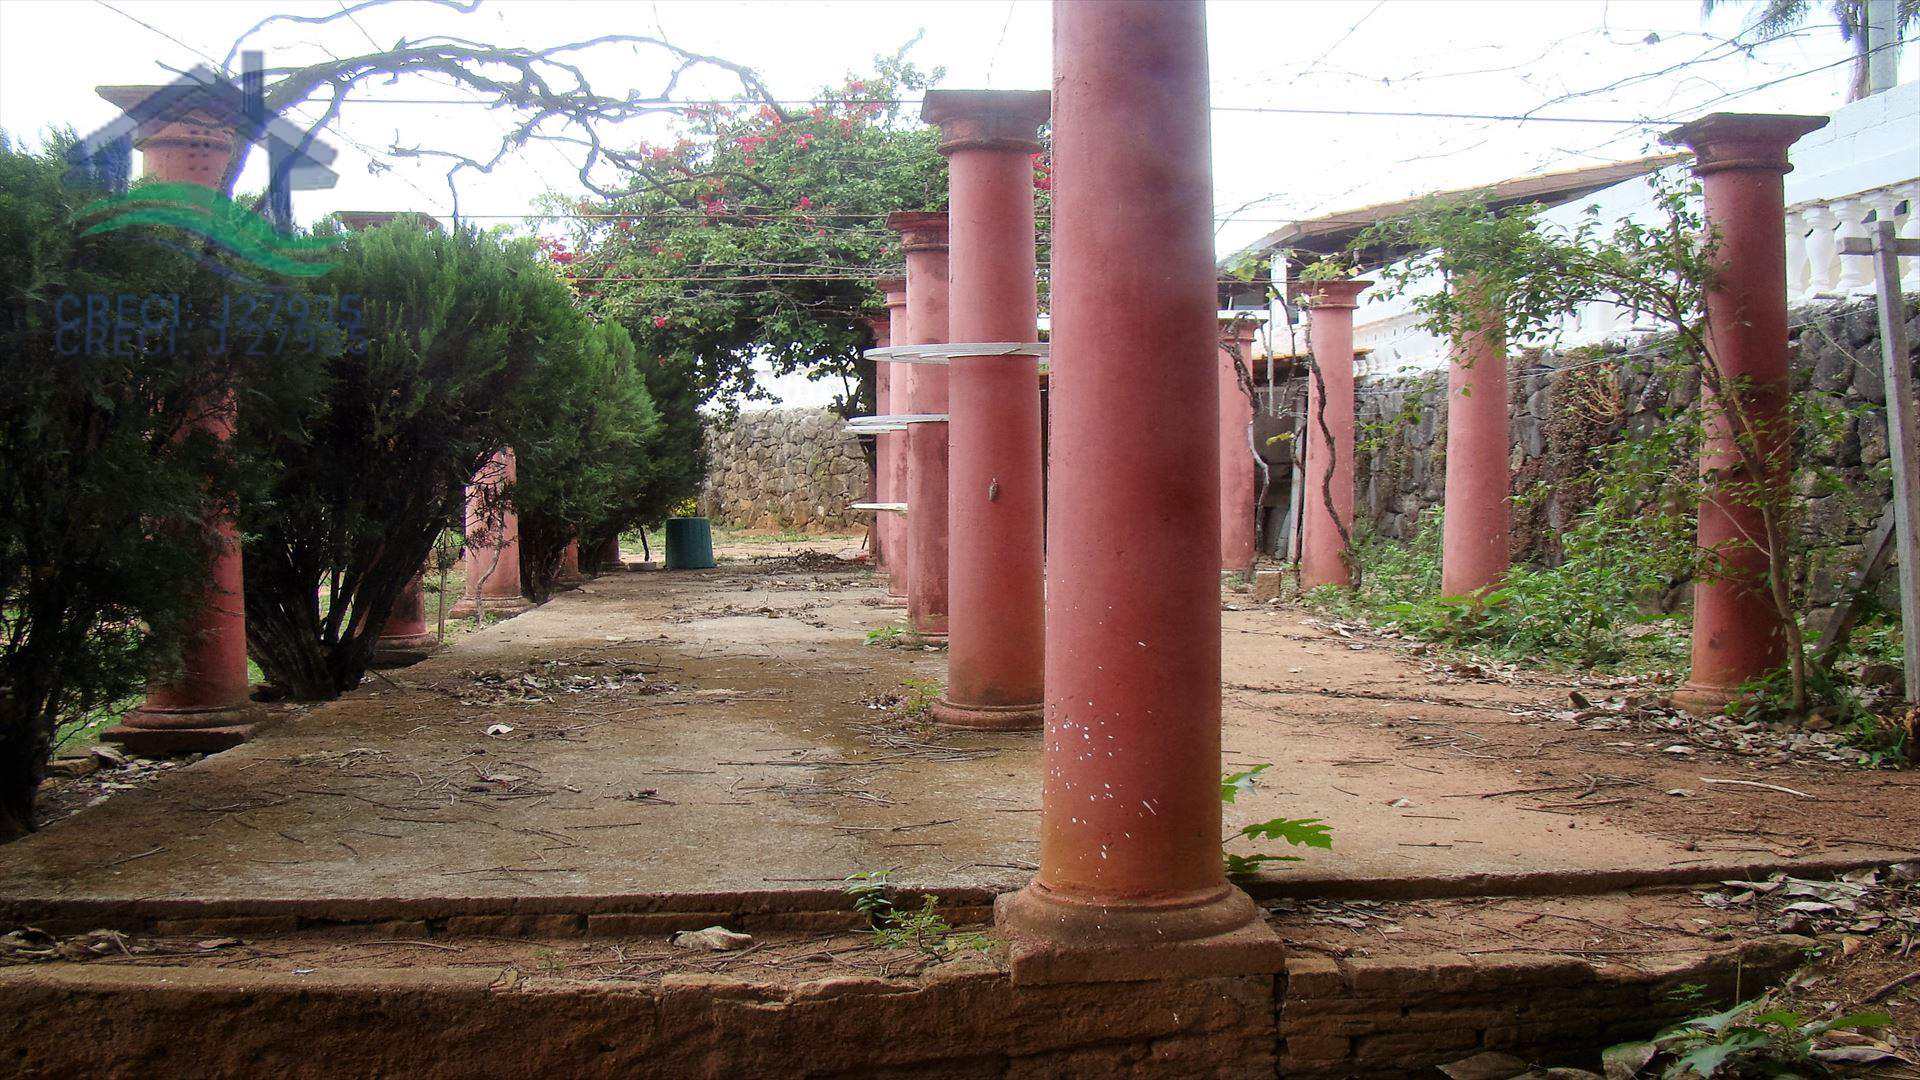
point(732, 733)
point(731, 730)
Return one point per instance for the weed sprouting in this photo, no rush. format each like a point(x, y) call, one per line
point(1300, 832)
point(921, 929)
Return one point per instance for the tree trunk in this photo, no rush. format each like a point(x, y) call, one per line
point(26, 740)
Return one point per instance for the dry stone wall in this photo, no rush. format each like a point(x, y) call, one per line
point(784, 470)
point(1561, 407)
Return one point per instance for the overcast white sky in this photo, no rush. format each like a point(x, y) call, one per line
point(1562, 58)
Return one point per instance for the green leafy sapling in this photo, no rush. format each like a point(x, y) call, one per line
point(1754, 1038)
point(1300, 832)
point(921, 929)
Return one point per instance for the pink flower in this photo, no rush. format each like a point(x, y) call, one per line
point(803, 140)
point(805, 202)
point(659, 322)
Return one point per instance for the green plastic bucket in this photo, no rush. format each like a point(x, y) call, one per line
point(689, 544)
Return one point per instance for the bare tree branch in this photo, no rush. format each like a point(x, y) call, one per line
point(547, 85)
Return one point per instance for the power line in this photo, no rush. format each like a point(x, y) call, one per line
point(1275, 110)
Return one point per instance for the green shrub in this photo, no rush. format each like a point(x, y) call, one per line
point(360, 459)
point(1621, 555)
point(581, 447)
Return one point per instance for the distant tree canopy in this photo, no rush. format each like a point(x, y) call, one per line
point(760, 233)
point(1773, 18)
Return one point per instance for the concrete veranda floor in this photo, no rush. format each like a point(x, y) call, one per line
point(678, 740)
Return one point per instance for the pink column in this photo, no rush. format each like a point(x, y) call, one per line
point(893, 444)
point(606, 558)
point(1326, 530)
point(1238, 475)
point(570, 565)
point(995, 644)
point(1737, 630)
point(406, 637)
point(492, 558)
point(923, 237)
point(1474, 546)
point(1130, 879)
point(206, 708)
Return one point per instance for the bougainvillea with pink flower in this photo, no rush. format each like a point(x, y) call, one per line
point(755, 234)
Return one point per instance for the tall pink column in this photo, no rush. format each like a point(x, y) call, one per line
point(1130, 879)
point(406, 638)
point(995, 645)
point(1327, 529)
point(1741, 159)
point(569, 573)
point(1474, 546)
point(206, 708)
point(1238, 475)
point(606, 557)
point(924, 239)
point(492, 558)
point(893, 444)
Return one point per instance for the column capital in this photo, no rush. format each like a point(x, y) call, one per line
point(920, 230)
point(1328, 293)
point(1728, 140)
point(988, 119)
point(895, 290)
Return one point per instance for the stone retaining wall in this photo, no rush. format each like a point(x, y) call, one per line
point(1561, 406)
point(1319, 1019)
point(1380, 1018)
point(784, 470)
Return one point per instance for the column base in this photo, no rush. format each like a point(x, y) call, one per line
point(937, 639)
point(175, 733)
point(891, 601)
point(1054, 940)
point(394, 652)
point(988, 717)
point(502, 608)
point(1700, 699)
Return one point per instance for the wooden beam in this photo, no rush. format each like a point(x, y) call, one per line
point(1903, 431)
point(1875, 554)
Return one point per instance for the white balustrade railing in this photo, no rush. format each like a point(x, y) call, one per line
point(1815, 230)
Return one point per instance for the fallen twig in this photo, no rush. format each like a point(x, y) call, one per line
point(131, 858)
point(1757, 784)
point(1887, 988)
